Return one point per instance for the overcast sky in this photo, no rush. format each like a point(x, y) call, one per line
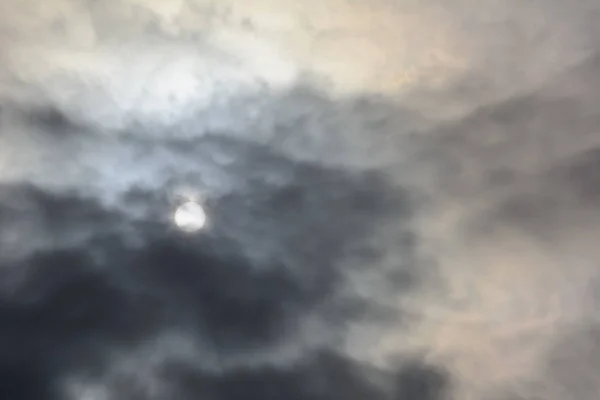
point(402, 199)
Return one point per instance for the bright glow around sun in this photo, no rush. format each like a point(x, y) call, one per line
point(190, 217)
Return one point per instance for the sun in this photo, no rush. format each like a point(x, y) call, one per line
point(190, 217)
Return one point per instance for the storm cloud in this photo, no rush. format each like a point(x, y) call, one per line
point(401, 200)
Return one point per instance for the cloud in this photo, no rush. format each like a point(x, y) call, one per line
point(82, 279)
point(401, 199)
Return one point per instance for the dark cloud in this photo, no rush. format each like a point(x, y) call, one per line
point(71, 300)
point(26, 381)
point(324, 376)
point(416, 380)
point(52, 120)
point(450, 226)
point(321, 376)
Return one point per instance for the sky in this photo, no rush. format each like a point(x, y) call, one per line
point(401, 199)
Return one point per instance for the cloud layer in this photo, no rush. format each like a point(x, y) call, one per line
point(401, 200)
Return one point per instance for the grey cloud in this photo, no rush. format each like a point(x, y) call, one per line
point(394, 214)
point(275, 257)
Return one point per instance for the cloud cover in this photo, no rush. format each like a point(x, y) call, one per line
point(401, 200)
